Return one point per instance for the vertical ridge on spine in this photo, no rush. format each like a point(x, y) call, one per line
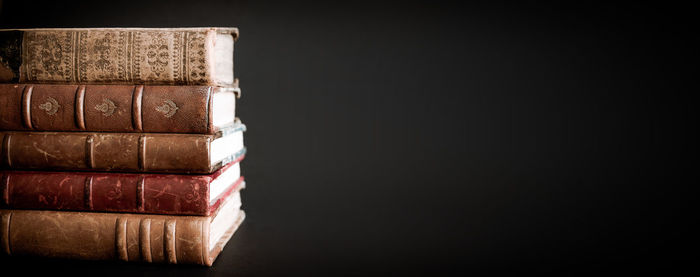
point(210, 111)
point(5, 231)
point(6, 143)
point(136, 108)
point(5, 189)
point(80, 107)
point(120, 240)
point(208, 147)
point(145, 240)
point(140, 197)
point(169, 241)
point(26, 106)
point(87, 193)
point(90, 151)
point(142, 152)
point(204, 231)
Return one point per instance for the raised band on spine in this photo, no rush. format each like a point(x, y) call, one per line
point(80, 107)
point(5, 221)
point(145, 240)
point(6, 144)
point(210, 105)
point(142, 153)
point(120, 240)
point(26, 106)
point(5, 189)
point(169, 241)
point(87, 193)
point(204, 231)
point(90, 151)
point(136, 109)
point(140, 197)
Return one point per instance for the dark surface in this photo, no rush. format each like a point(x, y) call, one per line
point(422, 139)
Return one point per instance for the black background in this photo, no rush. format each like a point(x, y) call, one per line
point(417, 138)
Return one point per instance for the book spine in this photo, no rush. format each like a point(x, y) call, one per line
point(129, 193)
point(111, 56)
point(105, 236)
point(106, 108)
point(123, 152)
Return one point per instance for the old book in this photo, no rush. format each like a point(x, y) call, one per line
point(119, 192)
point(117, 236)
point(116, 108)
point(176, 56)
point(122, 152)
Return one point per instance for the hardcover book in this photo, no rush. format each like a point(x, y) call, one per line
point(117, 108)
point(122, 152)
point(175, 56)
point(117, 236)
point(119, 192)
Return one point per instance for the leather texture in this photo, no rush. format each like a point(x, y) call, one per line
point(111, 236)
point(109, 108)
point(121, 152)
point(111, 192)
point(177, 56)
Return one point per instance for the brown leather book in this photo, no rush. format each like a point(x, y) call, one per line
point(122, 152)
point(168, 56)
point(115, 236)
point(117, 108)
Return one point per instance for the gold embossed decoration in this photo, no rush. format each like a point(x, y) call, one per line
point(168, 108)
point(107, 107)
point(50, 106)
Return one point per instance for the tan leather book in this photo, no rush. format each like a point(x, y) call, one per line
point(175, 56)
point(122, 152)
point(115, 236)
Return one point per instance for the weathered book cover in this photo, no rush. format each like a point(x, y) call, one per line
point(118, 192)
point(122, 152)
point(116, 108)
point(118, 236)
point(177, 56)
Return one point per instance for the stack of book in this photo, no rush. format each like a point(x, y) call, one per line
point(119, 143)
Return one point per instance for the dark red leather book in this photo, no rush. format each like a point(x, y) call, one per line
point(119, 192)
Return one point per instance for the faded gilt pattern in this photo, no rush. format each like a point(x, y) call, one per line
point(168, 109)
point(51, 106)
point(113, 56)
point(107, 107)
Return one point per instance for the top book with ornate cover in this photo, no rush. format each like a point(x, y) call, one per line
point(149, 56)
